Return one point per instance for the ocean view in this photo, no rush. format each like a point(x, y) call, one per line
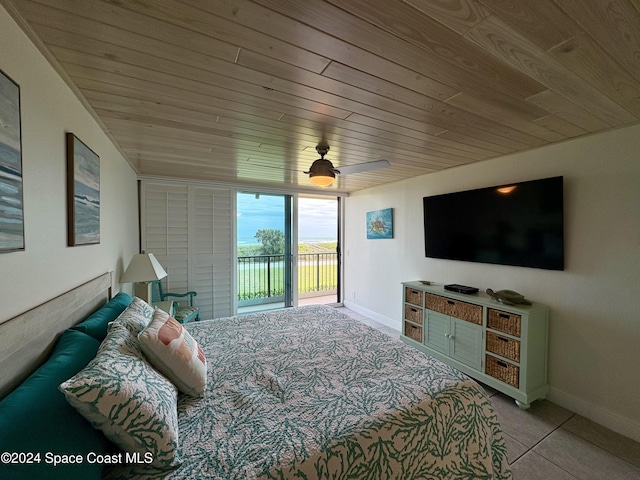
point(317, 218)
point(248, 240)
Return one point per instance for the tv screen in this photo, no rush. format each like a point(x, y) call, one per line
point(520, 224)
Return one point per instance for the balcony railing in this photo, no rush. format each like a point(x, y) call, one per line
point(261, 277)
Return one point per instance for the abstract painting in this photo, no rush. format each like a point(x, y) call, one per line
point(11, 197)
point(83, 193)
point(380, 224)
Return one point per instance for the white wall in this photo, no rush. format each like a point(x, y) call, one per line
point(594, 350)
point(47, 267)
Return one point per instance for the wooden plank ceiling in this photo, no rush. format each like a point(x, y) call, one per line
point(242, 91)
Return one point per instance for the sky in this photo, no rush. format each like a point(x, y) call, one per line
point(318, 218)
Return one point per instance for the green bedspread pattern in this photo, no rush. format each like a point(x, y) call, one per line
point(309, 393)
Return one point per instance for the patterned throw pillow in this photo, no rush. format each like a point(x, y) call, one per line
point(136, 317)
point(126, 398)
point(174, 352)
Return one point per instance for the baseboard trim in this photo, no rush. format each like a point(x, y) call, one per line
point(598, 415)
point(388, 322)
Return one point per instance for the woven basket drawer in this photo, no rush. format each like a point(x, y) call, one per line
point(503, 371)
point(504, 321)
point(467, 311)
point(436, 303)
point(413, 314)
point(455, 308)
point(413, 331)
point(413, 296)
point(503, 346)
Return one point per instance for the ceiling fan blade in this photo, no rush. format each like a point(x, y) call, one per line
point(274, 167)
point(362, 167)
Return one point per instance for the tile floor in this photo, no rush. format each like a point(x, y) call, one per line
point(548, 442)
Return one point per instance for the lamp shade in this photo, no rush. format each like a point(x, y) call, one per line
point(144, 267)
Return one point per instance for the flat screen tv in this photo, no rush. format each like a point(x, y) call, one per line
point(519, 224)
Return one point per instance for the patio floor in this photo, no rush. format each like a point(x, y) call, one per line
point(319, 300)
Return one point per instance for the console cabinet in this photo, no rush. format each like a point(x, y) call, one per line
point(499, 345)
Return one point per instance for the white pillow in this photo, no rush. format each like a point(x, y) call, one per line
point(174, 352)
point(120, 393)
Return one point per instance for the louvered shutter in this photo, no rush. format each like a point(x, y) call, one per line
point(212, 259)
point(189, 229)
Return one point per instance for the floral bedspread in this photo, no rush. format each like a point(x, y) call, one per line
point(309, 393)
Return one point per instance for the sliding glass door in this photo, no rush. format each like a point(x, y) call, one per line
point(287, 251)
point(264, 246)
point(318, 259)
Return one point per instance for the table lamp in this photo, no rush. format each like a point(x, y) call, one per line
point(143, 269)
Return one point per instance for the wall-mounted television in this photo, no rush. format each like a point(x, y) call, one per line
point(519, 224)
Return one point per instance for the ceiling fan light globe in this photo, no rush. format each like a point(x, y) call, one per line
point(321, 173)
point(321, 180)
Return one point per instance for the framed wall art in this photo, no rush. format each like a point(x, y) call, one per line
point(83, 193)
point(11, 196)
point(380, 224)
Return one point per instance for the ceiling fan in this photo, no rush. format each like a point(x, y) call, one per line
point(323, 173)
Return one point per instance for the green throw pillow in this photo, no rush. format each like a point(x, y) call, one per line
point(96, 323)
point(36, 418)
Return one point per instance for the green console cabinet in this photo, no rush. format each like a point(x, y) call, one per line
point(502, 346)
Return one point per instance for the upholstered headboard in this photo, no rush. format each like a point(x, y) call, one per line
point(27, 340)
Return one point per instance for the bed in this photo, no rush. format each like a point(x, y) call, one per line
point(311, 393)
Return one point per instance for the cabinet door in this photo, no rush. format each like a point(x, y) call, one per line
point(437, 332)
point(466, 343)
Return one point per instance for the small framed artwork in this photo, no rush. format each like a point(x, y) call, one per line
point(380, 224)
point(11, 196)
point(83, 193)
